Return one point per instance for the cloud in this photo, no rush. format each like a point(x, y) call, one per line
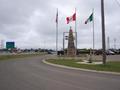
point(31, 23)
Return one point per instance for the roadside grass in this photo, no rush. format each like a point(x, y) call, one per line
point(110, 66)
point(14, 56)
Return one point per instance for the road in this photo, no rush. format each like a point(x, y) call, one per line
point(32, 74)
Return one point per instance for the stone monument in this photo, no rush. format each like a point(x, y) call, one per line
point(71, 47)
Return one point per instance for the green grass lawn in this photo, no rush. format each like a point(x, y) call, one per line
point(110, 66)
point(7, 57)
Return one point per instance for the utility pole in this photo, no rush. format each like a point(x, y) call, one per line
point(103, 32)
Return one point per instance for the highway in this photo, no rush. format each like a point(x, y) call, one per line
point(31, 74)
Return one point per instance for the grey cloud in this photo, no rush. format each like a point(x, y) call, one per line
point(33, 21)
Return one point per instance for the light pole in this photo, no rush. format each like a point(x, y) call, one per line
point(103, 32)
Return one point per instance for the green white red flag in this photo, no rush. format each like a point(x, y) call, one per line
point(89, 19)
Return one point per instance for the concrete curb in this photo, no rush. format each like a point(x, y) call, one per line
point(67, 67)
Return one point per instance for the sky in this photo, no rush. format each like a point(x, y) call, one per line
point(31, 23)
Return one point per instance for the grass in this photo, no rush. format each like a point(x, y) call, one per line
point(110, 66)
point(8, 57)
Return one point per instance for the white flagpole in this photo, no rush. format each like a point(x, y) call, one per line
point(57, 31)
point(93, 33)
point(76, 31)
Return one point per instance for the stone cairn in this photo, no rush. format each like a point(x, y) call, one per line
point(71, 47)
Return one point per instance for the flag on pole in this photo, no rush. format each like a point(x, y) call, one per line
point(89, 19)
point(71, 18)
point(57, 16)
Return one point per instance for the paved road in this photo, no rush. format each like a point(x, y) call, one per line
point(32, 74)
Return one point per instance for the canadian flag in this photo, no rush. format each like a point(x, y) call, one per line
point(71, 18)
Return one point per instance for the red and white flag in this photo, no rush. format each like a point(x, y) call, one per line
point(71, 18)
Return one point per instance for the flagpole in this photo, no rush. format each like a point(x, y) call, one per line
point(57, 32)
point(76, 32)
point(93, 33)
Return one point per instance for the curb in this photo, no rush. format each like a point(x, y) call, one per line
point(87, 70)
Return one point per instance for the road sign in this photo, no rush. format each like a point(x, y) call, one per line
point(10, 45)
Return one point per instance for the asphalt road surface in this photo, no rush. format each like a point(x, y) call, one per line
point(32, 74)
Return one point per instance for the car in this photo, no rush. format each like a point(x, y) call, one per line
point(109, 52)
point(51, 52)
point(98, 52)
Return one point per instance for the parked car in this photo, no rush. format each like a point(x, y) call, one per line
point(109, 52)
point(51, 52)
point(98, 52)
point(115, 51)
